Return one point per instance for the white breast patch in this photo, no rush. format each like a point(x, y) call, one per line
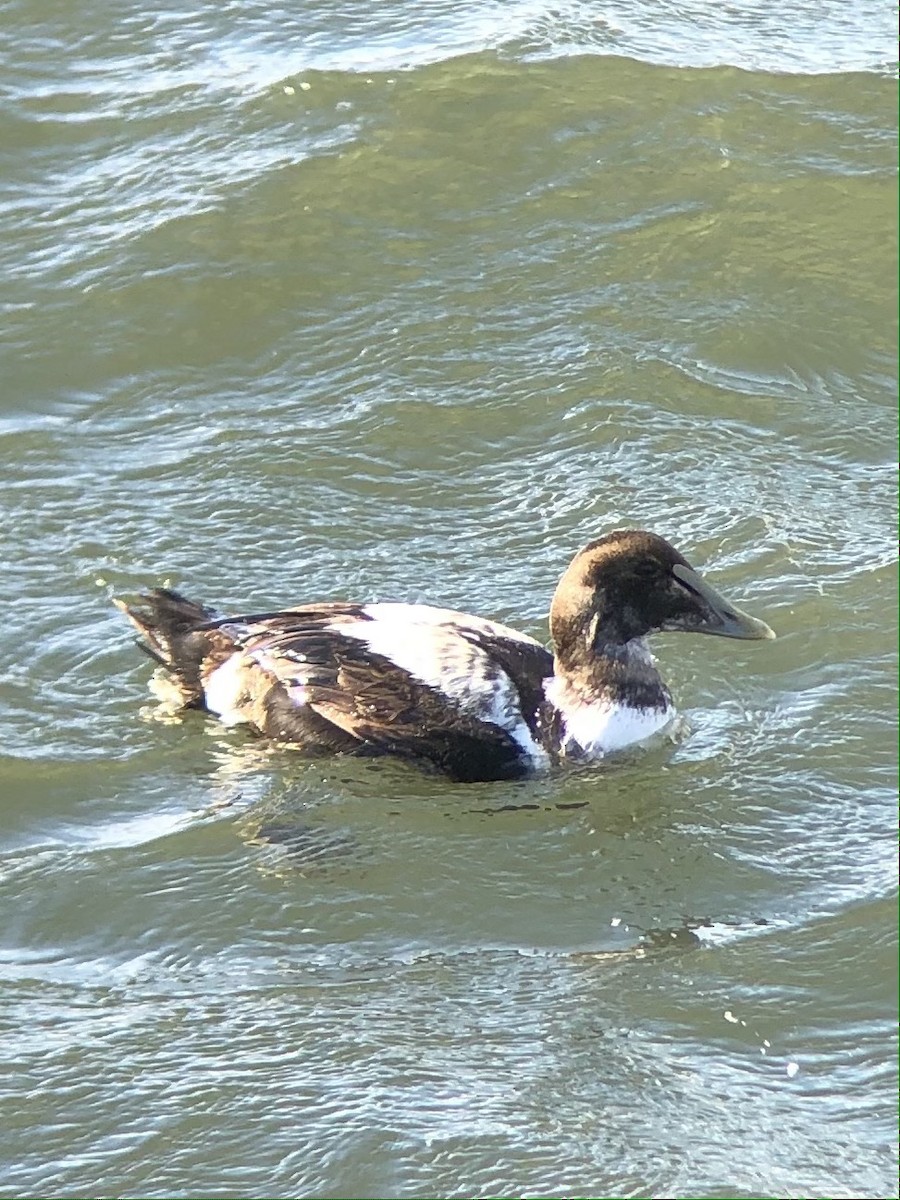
point(594, 730)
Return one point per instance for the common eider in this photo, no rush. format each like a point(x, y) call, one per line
point(472, 698)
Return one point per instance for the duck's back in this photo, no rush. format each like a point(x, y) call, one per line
point(431, 684)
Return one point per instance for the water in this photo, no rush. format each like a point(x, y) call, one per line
point(392, 301)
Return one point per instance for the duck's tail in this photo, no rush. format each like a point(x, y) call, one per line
point(174, 631)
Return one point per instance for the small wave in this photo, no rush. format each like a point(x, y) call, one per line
point(807, 38)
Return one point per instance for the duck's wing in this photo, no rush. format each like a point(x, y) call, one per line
point(425, 683)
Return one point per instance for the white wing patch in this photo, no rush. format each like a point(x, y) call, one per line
point(393, 613)
point(228, 689)
point(224, 690)
point(423, 641)
point(428, 643)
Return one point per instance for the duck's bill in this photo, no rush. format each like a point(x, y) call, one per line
point(714, 614)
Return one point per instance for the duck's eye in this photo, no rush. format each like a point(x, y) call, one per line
point(646, 571)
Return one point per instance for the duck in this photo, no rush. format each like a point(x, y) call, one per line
point(468, 697)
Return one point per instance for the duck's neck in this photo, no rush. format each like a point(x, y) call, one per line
point(614, 700)
point(596, 662)
point(618, 674)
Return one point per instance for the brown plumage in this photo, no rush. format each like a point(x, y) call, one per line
point(472, 698)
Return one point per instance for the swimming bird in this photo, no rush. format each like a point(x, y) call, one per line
point(469, 697)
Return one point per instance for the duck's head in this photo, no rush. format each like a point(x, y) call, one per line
point(631, 583)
